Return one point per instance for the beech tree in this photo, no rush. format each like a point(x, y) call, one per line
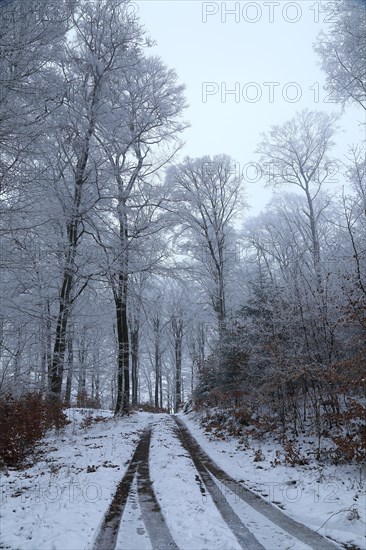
point(297, 153)
point(149, 101)
point(343, 52)
point(205, 197)
point(31, 37)
point(353, 223)
point(106, 41)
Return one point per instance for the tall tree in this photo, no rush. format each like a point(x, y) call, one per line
point(32, 37)
point(297, 153)
point(205, 196)
point(149, 101)
point(342, 51)
point(106, 41)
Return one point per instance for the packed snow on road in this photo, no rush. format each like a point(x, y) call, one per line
point(60, 500)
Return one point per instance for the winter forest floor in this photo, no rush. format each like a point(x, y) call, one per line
point(185, 495)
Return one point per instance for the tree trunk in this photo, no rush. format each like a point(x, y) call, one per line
point(66, 294)
point(68, 281)
point(177, 326)
point(70, 368)
point(134, 360)
point(121, 293)
point(82, 366)
point(156, 324)
point(46, 348)
point(123, 363)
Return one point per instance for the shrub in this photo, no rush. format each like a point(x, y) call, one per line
point(85, 402)
point(148, 407)
point(24, 421)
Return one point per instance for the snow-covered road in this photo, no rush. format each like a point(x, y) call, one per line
point(144, 482)
point(192, 512)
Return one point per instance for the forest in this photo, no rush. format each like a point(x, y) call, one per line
point(133, 276)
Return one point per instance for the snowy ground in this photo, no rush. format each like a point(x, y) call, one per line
point(328, 499)
point(192, 517)
point(59, 502)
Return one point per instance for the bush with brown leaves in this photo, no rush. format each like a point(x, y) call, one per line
point(24, 421)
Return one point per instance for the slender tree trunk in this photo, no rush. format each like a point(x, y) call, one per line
point(95, 375)
point(126, 356)
point(82, 367)
point(121, 293)
point(315, 241)
point(66, 292)
point(161, 386)
point(134, 360)
point(123, 362)
point(70, 368)
point(56, 374)
point(46, 348)
point(177, 326)
point(156, 324)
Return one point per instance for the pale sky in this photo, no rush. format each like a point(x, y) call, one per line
point(262, 50)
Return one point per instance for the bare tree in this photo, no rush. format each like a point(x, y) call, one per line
point(296, 154)
point(205, 195)
point(151, 104)
point(105, 41)
point(343, 52)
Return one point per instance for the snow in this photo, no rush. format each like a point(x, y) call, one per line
point(132, 533)
point(59, 501)
point(321, 497)
point(192, 517)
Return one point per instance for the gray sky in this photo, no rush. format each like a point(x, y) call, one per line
point(263, 53)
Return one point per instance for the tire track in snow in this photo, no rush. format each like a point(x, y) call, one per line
point(245, 538)
point(206, 466)
point(153, 518)
point(151, 513)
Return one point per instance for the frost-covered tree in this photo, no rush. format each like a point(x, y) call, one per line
point(147, 104)
point(297, 153)
point(106, 41)
point(205, 197)
point(353, 223)
point(32, 37)
point(342, 51)
point(98, 124)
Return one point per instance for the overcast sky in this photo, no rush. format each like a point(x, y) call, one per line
point(262, 52)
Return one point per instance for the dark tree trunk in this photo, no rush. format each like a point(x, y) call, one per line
point(46, 359)
point(68, 281)
point(70, 368)
point(82, 366)
point(134, 361)
point(177, 326)
point(123, 368)
point(95, 375)
point(158, 384)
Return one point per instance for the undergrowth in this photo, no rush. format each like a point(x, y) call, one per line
point(24, 421)
point(336, 438)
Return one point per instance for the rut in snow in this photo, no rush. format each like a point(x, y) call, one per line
point(153, 518)
point(206, 466)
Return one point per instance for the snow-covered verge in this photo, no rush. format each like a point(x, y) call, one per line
point(328, 499)
point(60, 500)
